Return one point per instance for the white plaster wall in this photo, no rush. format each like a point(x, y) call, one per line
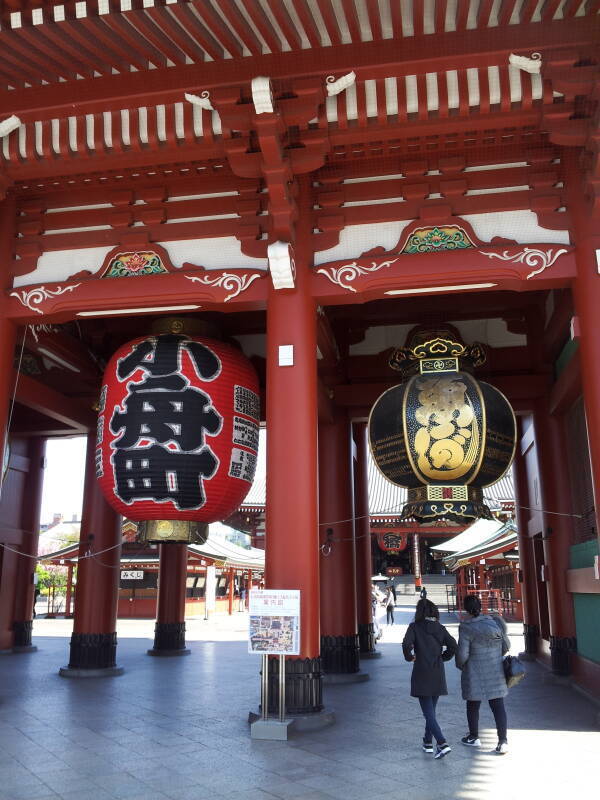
point(218, 253)
point(492, 332)
point(59, 264)
point(519, 225)
point(355, 239)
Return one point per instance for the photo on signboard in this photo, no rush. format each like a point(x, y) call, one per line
point(274, 634)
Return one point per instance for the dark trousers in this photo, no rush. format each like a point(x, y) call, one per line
point(499, 712)
point(390, 614)
point(432, 728)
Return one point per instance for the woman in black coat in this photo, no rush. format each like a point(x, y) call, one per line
point(428, 644)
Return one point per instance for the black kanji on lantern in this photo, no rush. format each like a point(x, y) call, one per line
point(155, 473)
point(161, 453)
point(161, 355)
point(165, 410)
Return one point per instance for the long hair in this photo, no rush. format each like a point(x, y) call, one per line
point(472, 605)
point(425, 608)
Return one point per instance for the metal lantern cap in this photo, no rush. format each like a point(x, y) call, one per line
point(443, 352)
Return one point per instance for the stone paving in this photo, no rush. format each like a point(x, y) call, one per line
point(177, 729)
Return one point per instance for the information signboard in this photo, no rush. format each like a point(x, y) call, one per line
point(274, 622)
point(132, 574)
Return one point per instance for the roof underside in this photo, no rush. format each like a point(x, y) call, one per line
point(105, 80)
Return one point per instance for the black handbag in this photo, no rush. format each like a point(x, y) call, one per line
point(514, 671)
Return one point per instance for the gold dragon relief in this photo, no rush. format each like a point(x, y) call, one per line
point(447, 442)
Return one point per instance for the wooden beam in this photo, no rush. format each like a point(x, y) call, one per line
point(517, 388)
point(35, 395)
point(370, 60)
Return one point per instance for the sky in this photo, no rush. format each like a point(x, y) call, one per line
point(63, 478)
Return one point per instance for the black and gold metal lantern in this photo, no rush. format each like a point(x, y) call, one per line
point(441, 433)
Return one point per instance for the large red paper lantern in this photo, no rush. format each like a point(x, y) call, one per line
point(177, 429)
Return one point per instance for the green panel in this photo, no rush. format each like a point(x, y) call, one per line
point(587, 624)
point(582, 555)
point(565, 356)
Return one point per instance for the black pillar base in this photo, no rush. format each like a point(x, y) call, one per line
point(22, 634)
point(366, 637)
point(93, 651)
point(340, 654)
point(561, 648)
point(531, 635)
point(303, 685)
point(169, 639)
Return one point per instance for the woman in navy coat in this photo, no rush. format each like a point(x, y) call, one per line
point(428, 644)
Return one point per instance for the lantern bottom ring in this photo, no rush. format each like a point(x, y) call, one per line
point(439, 502)
point(172, 530)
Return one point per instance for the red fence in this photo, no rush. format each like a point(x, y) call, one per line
point(497, 601)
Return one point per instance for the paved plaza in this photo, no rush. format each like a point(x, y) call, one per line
point(177, 728)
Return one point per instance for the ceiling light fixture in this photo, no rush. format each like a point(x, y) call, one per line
point(110, 312)
point(431, 289)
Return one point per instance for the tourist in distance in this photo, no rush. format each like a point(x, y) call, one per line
point(390, 604)
point(428, 644)
point(375, 600)
point(482, 643)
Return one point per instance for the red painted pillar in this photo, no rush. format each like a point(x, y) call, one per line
point(339, 636)
point(30, 525)
point(292, 542)
point(169, 630)
point(558, 535)
point(230, 592)
point(8, 331)
point(362, 527)
point(8, 336)
point(94, 639)
point(69, 593)
point(531, 620)
point(586, 296)
point(417, 561)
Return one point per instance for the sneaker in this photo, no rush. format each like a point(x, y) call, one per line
point(428, 746)
point(442, 750)
point(502, 748)
point(471, 741)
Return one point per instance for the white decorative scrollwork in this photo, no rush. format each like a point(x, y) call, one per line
point(540, 259)
point(350, 272)
point(281, 265)
point(334, 86)
point(202, 100)
point(33, 298)
point(532, 65)
point(228, 281)
point(262, 95)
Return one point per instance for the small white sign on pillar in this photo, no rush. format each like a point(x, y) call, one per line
point(286, 355)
